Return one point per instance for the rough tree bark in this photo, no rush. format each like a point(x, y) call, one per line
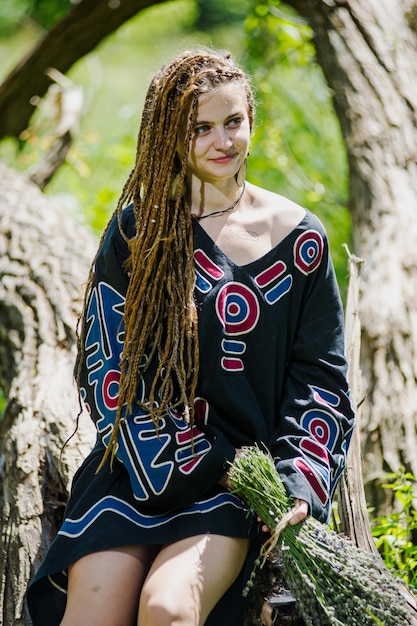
point(368, 51)
point(352, 506)
point(85, 26)
point(44, 259)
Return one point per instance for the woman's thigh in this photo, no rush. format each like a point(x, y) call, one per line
point(104, 587)
point(187, 579)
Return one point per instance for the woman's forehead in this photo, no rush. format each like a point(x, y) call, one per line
point(231, 94)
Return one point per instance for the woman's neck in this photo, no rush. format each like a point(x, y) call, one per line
point(209, 199)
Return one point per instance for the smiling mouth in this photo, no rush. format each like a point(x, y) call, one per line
point(225, 158)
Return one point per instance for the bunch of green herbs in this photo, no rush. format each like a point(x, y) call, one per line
point(335, 583)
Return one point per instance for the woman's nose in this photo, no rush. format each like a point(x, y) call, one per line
point(222, 140)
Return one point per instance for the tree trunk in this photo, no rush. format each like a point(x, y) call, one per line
point(44, 259)
point(368, 53)
point(352, 506)
point(85, 26)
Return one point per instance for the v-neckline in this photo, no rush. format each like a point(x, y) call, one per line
point(260, 258)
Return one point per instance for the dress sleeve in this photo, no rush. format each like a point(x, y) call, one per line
point(316, 418)
point(167, 469)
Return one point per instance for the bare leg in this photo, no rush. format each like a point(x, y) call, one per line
point(188, 578)
point(104, 587)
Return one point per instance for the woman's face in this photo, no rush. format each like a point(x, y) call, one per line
point(221, 135)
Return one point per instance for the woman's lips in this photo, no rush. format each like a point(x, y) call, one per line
point(227, 158)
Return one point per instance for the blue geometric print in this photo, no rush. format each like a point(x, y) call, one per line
point(73, 528)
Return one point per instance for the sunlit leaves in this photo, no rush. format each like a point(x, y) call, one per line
point(297, 149)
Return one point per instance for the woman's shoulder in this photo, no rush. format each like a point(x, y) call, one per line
point(275, 205)
point(283, 216)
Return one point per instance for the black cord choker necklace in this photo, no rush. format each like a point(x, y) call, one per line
point(230, 208)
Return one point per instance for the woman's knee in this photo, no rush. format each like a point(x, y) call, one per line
point(164, 608)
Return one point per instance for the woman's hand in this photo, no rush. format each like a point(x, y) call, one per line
point(299, 511)
point(225, 482)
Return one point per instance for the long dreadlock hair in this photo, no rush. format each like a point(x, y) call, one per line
point(160, 314)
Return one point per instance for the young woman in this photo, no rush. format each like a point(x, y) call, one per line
point(212, 321)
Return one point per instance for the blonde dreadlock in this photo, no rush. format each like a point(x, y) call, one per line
point(160, 313)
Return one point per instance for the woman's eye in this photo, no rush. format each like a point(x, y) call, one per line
point(200, 130)
point(235, 121)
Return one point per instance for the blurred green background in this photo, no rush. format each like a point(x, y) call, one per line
point(297, 149)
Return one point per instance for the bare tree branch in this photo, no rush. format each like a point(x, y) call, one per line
point(85, 26)
point(68, 106)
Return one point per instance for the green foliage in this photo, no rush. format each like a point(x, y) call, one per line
point(214, 13)
point(395, 534)
point(45, 12)
point(114, 78)
point(297, 149)
point(12, 13)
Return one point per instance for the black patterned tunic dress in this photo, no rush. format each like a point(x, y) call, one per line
point(272, 370)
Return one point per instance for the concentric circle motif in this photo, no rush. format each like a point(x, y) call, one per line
point(322, 427)
point(111, 389)
point(237, 308)
point(308, 251)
